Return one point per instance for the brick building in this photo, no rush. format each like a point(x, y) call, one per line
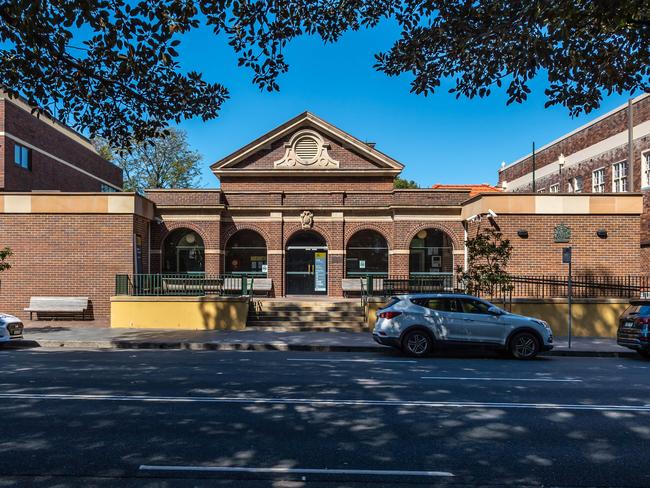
point(40, 153)
point(307, 206)
point(610, 154)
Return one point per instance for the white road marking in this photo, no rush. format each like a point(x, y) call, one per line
point(282, 470)
point(334, 402)
point(477, 378)
point(353, 360)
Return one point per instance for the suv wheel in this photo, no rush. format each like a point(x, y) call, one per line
point(524, 345)
point(644, 352)
point(417, 343)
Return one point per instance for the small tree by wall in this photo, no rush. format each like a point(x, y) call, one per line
point(4, 255)
point(488, 254)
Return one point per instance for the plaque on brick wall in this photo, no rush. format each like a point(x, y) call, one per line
point(561, 233)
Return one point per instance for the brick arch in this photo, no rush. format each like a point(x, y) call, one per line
point(232, 230)
point(172, 226)
point(455, 242)
point(353, 229)
point(295, 229)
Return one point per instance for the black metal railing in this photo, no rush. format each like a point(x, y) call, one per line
point(183, 284)
point(517, 286)
point(582, 286)
point(397, 285)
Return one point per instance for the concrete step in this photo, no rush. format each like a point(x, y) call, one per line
point(304, 315)
point(306, 323)
point(306, 305)
point(308, 328)
point(308, 309)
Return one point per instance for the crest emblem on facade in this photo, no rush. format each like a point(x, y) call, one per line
point(306, 149)
point(561, 233)
point(307, 219)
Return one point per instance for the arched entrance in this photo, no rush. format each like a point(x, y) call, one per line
point(366, 254)
point(306, 264)
point(431, 253)
point(246, 254)
point(183, 252)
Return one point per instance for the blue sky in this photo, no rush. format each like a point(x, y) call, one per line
point(440, 139)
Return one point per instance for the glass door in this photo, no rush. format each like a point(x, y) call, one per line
point(306, 271)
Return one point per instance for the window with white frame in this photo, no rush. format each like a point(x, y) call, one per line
point(598, 181)
point(619, 177)
point(578, 184)
point(554, 188)
point(645, 168)
point(541, 190)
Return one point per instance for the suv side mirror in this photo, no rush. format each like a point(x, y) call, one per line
point(494, 310)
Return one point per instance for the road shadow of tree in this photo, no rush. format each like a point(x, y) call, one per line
point(110, 439)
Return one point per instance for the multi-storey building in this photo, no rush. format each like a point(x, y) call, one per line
point(610, 154)
point(40, 153)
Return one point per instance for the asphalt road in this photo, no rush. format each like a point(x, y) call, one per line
point(253, 419)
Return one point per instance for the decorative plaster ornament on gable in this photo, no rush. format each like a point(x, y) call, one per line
point(306, 149)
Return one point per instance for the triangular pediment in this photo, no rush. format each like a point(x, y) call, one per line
point(307, 143)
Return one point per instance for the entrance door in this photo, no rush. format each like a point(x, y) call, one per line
point(306, 264)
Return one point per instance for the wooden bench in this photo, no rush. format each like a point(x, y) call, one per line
point(233, 284)
point(67, 305)
point(192, 286)
point(353, 285)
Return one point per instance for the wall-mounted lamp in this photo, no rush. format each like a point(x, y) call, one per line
point(602, 233)
point(522, 233)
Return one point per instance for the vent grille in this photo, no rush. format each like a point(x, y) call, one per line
point(307, 148)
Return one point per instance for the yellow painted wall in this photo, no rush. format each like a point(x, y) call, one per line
point(194, 313)
point(596, 319)
point(590, 318)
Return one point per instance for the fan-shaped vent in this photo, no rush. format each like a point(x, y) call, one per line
point(307, 148)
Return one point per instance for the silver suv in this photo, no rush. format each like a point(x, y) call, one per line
point(418, 323)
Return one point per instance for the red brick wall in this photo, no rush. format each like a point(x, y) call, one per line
point(278, 184)
point(346, 156)
point(65, 255)
point(47, 173)
point(618, 254)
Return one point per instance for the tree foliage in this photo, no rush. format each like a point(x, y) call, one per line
point(110, 67)
point(5, 254)
point(488, 254)
point(402, 183)
point(162, 162)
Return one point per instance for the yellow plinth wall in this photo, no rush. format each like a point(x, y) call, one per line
point(590, 317)
point(194, 313)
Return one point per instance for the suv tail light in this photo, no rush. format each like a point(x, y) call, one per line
point(389, 315)
point(644, 324)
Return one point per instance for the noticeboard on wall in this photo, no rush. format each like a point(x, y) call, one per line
point(320, 271)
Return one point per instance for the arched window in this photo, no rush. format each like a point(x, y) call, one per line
point(183, 252)
point(430, 253)
point(366, 254)
point(246, 254)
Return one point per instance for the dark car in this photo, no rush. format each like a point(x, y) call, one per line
point(634, 327)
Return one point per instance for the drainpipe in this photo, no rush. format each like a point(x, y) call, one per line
point(465, 224)
point(630, 144)
point(534, 185)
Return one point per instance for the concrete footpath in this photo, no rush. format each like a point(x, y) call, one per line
point(251, 340)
